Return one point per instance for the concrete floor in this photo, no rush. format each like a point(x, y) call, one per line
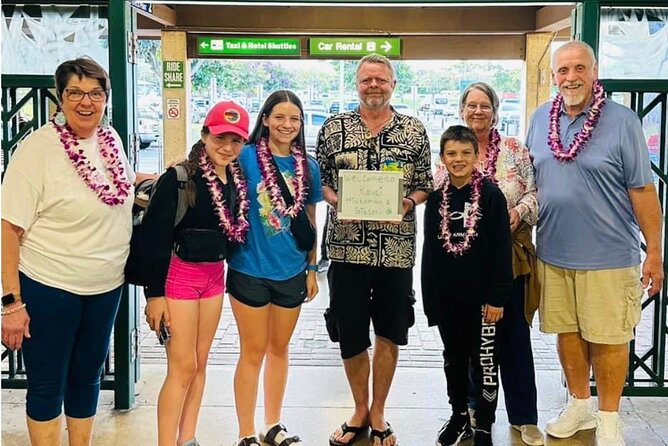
point(317, 400)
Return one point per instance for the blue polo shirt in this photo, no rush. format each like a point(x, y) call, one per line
point(585, 218)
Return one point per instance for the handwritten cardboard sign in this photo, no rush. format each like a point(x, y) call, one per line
point(370, 195)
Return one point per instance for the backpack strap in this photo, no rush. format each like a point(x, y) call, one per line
point(181, 204)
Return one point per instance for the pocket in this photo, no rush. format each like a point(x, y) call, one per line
point(330, 324)
point(633, 310)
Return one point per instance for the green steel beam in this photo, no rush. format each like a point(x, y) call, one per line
point(122, 83)
point(590, 22)
point(635, 85)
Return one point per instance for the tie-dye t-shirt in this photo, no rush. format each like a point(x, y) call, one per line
point(270, 251)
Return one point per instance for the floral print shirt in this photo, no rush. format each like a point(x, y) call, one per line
point(515, 177)
point(344, 142)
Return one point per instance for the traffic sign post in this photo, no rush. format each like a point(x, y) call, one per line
point(249, 46)
point(354, 46)
point(172, 72)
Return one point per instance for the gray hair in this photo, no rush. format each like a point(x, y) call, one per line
point(489, 92)
point(375, 58)
point(574, 44)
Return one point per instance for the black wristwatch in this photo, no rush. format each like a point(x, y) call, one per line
point(10, 298)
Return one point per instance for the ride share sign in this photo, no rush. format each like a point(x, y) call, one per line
point(172, 74)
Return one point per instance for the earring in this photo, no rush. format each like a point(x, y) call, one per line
point(59, 118)
point(104, 123)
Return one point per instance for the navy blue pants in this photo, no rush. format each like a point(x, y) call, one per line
point(518, 376)
point(64, 357)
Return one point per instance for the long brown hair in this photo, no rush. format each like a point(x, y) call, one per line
point(191, 164)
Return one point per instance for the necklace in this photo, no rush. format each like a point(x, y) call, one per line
point(584, 135)
point(268, 173)
point(234, 228)
point(471, 221)
point(493, 149)
point(93, 178)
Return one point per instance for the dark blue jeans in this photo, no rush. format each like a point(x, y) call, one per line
point(65, 354)
point(518, 376)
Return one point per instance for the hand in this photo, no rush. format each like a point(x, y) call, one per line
point(514, 219)
point(491, 314)
point(15, 327)
point(311, 286)
point(157, 310)
point(652, 272)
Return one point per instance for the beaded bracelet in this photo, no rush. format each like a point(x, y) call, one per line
point(13, 310)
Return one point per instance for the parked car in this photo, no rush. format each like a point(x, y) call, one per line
point(313, 120)
point(509, 116)
point(350, 106)
point(403, 109)
point(149, 131)
point(442, 107)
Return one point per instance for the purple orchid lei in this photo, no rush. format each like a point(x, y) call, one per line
point(270, 180)
point(235, 228)
point(493, 149)
point(584, 135)
point(93, 178)
point(471, 222)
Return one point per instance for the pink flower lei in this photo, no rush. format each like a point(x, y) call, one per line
point(493, 149)
point(584, 135)
point(93, 178)
point(235, 228)
point(471, 221)
point(269, 173)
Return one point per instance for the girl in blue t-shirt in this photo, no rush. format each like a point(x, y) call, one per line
point(270, 276)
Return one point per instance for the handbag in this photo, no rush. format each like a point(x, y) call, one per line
point(300, 226)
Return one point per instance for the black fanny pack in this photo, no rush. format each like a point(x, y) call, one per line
point(201, 245)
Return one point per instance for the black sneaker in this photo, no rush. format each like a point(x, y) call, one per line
point(456, 429)
point(482, 438)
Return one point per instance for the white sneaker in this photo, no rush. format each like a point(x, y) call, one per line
point(577, 415)
point(609, 429)
point(531, 434)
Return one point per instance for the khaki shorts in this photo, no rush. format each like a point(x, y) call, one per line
point(603, 305)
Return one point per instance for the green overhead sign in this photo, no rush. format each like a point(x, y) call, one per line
point(354, 46)
point(244, 46)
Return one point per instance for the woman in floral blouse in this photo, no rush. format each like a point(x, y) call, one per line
point(506, 160)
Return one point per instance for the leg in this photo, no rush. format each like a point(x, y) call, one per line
point(610, 363)
point(80, 431)
point(253, 324)
point(55, 316)
point(350, 289)
point(385, 356)
point(486, 357)
point(282, 322)
point(88, 354)
point(45, 433)
point(574, 358)
point(181, 367)
point(209, 313)
point(516, 360)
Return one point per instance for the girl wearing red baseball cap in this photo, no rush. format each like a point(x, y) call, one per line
point(185, 267)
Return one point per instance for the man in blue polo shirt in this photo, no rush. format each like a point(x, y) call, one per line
point(595, 194)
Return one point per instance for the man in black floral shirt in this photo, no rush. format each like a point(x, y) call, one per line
point(371, 271)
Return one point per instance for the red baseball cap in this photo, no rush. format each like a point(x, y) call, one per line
point(227, 117)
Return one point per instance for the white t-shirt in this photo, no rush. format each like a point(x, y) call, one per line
point(72, 240)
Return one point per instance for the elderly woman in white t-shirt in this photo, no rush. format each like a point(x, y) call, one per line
point(66, 204)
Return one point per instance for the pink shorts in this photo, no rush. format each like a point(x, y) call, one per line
point(189, 280)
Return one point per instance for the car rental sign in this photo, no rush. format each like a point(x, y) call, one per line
point(353, 46)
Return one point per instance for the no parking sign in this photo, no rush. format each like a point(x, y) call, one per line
point(173, 108)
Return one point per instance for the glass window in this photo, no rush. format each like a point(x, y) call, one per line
point(36, 39)
point(633, 43)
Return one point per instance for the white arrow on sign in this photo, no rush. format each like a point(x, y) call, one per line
point(170, 85)
point(386, 46)
point(204, 45)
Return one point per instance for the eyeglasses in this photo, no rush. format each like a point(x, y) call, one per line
point(471, 106)
point(76, 95)
point(368, 81)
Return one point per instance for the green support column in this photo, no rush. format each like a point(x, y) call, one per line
point(589, 25)
point(121, 24)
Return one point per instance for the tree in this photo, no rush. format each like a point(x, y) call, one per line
point(150, 51)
